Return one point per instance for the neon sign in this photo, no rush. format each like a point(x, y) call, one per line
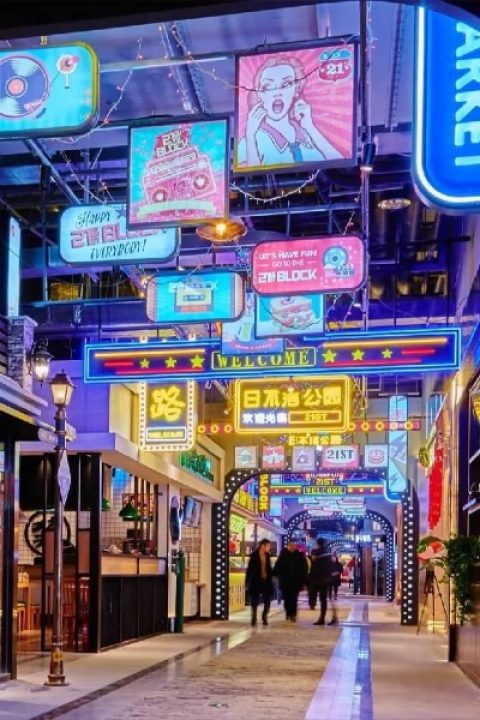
point(264, 493)
point(289, 315)
point(272, 407)
point(98, 234)
point(176, 297)
point(345, 457)
point(177, 173)
point(273, 457)
point(45, 91)
point(310, 265)
point(366, 353)
point(238, 338)
point(167, 415)
point(447, 112)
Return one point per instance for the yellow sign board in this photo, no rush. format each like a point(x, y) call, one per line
point(167, 414)
point(291, 405)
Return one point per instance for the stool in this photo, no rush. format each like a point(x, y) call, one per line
point(21, 615)
point(34, 623)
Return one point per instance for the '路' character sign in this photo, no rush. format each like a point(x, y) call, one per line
point(167, 414)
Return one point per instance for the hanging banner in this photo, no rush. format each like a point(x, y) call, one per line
point(375, 456)
point(238, 338)
point(273, 457)
point(296, 108)
point(98, 234)
point(344, 457)
point(366, 353)
point(167, 416)
point(277, 406)
point(13, 267)
point(177, 173)
point(181, 297)
point(304, 459)
point(311, 265)
point(446, 147)
point(48, 91)
point(285, 315)
point(397, 481)
point(246, 456)
point(263, 493)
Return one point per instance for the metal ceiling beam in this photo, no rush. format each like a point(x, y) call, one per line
point(37, 151)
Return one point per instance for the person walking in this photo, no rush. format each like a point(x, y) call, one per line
point(312, 592)
point(292, 570)
point(259, 581)
point(337, 569)
point(320, 576)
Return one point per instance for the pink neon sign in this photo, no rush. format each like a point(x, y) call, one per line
point(326, 264)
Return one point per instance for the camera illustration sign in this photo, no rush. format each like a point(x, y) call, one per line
point(296, 107)
point(98, 234)
point(311, 265)
point(178, 173)
point(167, 416)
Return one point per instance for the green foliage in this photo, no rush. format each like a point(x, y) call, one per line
point(462, 553)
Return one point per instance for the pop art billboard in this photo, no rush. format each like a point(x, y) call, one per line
point(177, 173)
point(179, 297)
point(311, 265)
point(284, 315)
point(98, 234)
point(48, 91)
point(296, 108)
point(238, 338)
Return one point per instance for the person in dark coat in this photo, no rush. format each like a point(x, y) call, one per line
point(321, 576)
point(259, 581)
point(337, 569)
point(291, 569)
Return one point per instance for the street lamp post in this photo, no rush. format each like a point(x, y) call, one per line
point(62, 390)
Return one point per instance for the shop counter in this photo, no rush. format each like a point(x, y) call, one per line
point(128, 564)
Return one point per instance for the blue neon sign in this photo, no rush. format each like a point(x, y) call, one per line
point(446, 159)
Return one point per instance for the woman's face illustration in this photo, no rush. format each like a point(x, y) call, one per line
point(277, 90)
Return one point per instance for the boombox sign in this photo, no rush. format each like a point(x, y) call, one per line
point(319, 265)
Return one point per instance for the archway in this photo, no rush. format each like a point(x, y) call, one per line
point(220, 551)
point(387, 527)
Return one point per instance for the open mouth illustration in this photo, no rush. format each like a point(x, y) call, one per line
point(277, 107)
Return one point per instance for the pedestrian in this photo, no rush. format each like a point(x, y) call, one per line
point(259, 581)
point(321, 575)
point(312, 592)
point(337, 569)
point(291, 569)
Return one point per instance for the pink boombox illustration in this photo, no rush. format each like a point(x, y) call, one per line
point(178, 172)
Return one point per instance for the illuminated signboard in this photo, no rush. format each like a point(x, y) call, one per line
point(304, 459)
point(274, 406)
point(335, 263)
point(446, 162)
point(48, 91)
point(324, 490)
point(273, 457)
point(246, 456)
point(375, 456)
point(296, 107)
point(263, 493)
point(346, 457)
point(238, 338)
point(98, 234)
point(410, 351)
point(397, 482)
point(284, 315)
point(178, 173)
point(315, 440)
point(181, 297)
point(13, 261)
point(167, 416)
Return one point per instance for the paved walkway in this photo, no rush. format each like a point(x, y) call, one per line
point(369, 668)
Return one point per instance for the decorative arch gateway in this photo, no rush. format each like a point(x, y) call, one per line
point(220, 553)
point(386, 526)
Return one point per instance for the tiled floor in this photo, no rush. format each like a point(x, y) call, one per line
point(368, 669)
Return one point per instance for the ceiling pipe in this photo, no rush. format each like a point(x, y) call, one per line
point(37, 151)
point(395, 67)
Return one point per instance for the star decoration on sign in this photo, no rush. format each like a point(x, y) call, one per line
point(144, 363)
point(387, 353)
point(329, 356)
point(358, 354)
point(197, 362)
point(170, 362)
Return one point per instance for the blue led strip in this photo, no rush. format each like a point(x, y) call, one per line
point(409, 351)
point(446, 158)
